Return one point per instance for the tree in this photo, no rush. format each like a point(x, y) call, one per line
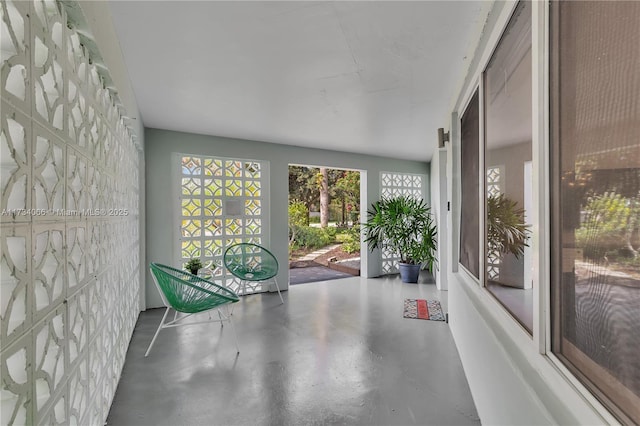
point(303, 186)
point(347, 190)
point(306, 184)
point(609, 225)
point(323, 181)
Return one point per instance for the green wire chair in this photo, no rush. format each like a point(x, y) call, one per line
point(188, 295)
point(251, 263)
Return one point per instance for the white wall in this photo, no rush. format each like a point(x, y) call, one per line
point(513, 378)
point(161, 143)
point(439, 210)
point(96, 20)
point(512, 383)
point(70, 228)
point(512, 158)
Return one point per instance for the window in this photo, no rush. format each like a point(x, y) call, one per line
point(508, 136)
point(469, 226)
point(507, 180)
point(595, 145)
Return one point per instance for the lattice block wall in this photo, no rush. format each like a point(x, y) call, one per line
point(222, 202)
point(495, 177)
point(392, 185)
point(69, 234)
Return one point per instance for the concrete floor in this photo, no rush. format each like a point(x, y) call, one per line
point(312, 274)
point(337, 352)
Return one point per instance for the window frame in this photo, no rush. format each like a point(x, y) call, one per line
point(552, 368)
point(576, 361)
point(537, 49)
point(477, 90)
point(484, 180)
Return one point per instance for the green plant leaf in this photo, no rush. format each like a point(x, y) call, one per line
point(506, 230)
point(404, 226)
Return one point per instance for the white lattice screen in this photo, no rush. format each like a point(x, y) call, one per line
point(69, 234)
point(494, 189)
point(391, 185)
point(494, 181)
point(222, 202)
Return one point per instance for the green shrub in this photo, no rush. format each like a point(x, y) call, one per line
point(342, 237)
point(608, 225)
point(298, 214)
point(331, 231)
point(351, 240)
point(313, 238)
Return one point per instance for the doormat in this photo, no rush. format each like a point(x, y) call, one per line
point(423, 309)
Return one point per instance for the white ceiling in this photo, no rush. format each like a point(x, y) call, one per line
point(365, 77)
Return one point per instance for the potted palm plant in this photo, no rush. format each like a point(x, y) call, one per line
point(193, 265)
point(506, 230)
point(403, 225)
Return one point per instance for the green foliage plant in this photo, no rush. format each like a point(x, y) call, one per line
point(404, 226)
point(331, 232)
point(351, 240)
point(193, 265)
point(298, 218)
point(344, 190)
point(302, 185)
point(506, 230)
point(301, 235)
point(298, 214)
point(313, 238)
point(610, 223)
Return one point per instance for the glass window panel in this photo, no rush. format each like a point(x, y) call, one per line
point(469, 224)
point(508, 179)
point(595, 142)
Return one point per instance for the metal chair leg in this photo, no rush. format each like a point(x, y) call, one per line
point(278, 288)
point(157, 332)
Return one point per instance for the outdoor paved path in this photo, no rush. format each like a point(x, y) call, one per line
point(317, 253)
point(317, 272)
point(313, 274)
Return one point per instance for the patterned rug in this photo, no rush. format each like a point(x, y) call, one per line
point(423, 309)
